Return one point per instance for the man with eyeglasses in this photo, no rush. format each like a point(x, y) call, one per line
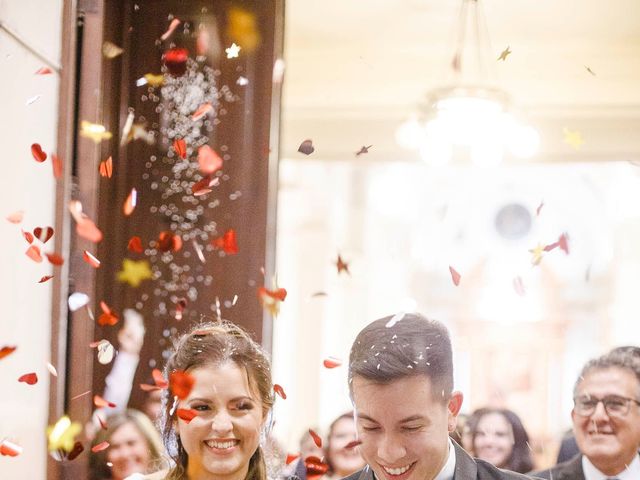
point(606, 422)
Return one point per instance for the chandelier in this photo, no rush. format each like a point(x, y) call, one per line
point(471, 118)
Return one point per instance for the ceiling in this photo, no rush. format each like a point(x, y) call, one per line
point(355, 70)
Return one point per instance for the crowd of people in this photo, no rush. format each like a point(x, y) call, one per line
point(406, 422)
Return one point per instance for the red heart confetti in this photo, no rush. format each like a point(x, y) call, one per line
point(202, 187)
point(45, 278)
point(100, 447)
point(180, 146)
point(227, 242)
point(316, 438)
point(455, 276)
point(208, 160)
point(186, 414)
point(331, 362)
point(43, 234)
point(38, 154)
point(168, 241)
point(181, 383)
point(135, 244)
point(55, 259)
point(280, 391)
point(29, 378)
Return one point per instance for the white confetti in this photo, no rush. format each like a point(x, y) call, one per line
point(33, 99)
point(77, 300)
point(395, 319)
point(242, 81)
point(106, 351)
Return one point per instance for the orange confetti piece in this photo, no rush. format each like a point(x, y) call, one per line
point(180, 146)
point(316, 438)
point(45, 278)
point(130, 203)
point(28, 237)
point(88, 230)
point(38, 154)
point(6, 351)
point(227, 242)
point(90, 259)
point(135, 244)
point(201, 111)
point(43, 71)
point(9, 449)
point(106, 168)
point(455, 276)
point(181, 383)
point(208, 160)
point(29, 378)
point(186, 414)
point(331, 362)
point(174, 24)
point(291, 457)
point(100, 447)
point(15, 217)
point(33, 252)
point(56, 165)
point(55, 259)
point(100, 402)
point(280, 391)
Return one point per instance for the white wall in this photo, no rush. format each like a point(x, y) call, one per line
point(29, 186)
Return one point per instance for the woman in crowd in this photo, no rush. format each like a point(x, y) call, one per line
point(231, 399)
point(500, 438)
point(134, 447)
point(343, 459)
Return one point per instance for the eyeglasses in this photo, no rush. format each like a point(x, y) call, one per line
point(614, 405)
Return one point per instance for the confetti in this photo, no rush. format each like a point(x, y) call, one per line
point(29, 378)
point(572, 138)
point(186, 414)
point(88, 230)
point(106, 352)
point(77, 300)
point(110, 50)
point(100, 447)
point(181, 383)
point(38, 155)
point(455, 276)
point(33, 252)
point(45, 278)
point(395, 319)
point(6, 351)
point(90, 259)
point(61, 435)
point(203, 186)
point(233, 51)
point(202, 110)
point(363, 150)
point(291, 457)
point(108, 317)
point(590, 71)
point(169, 241)
point(353, 444)
point(518, 286)
point(306, 147)
point(181, 304)
point(174, 24)
point(55, 259)
point(180, 146)
point(315, 467)
point(331, 362)
point(9, 449)
point(135, 245)
point(52, 369)
point(28, 236)
point(106, 168)
point(271, 299)
point(227, 242)
point(342, 266)
point(203, 41)
point(539, 208)
point(43, 71)
point(316, 438)
point(280, 391)
point(130, 203)
point(536, 254)
point(33, 99)
point(505, 53)
point(242, 81)
point(176, 61)
point(56, 165)
point(208, 160)
point(43, 234)
point(134, 272)
point(152, 79)
point(15, 217)
point(100, 402)
point(94, 131)
point(77, 449)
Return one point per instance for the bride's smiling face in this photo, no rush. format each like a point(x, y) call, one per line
point(225, 434)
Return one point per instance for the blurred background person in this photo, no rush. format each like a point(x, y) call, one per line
point(134, 447)
point(500, 439)
point(342, 461)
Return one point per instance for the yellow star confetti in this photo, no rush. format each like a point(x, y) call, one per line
point(94, 131)
point(154, 80)
point(536, 254)
point(233, 51)
point(61, 435)
point(505, 53)
point(133, 272)
point(573, 138)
